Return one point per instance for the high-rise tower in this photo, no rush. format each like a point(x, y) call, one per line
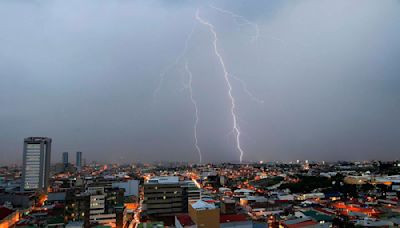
point(65, 159)
point(36, 163)
point(79, 160)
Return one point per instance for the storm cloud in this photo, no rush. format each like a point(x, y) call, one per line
point(84, 73)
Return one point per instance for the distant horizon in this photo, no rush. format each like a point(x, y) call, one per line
point(264, 162)
point(58, 159)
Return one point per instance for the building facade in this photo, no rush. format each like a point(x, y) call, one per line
point(163, 196)
point(131, 187)
point(36, 163)
point(205, 214)
point(79, 160)
point(77, 206)
point(65, 159)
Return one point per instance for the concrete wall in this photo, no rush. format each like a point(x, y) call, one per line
point(205, 218)
point(131, 187)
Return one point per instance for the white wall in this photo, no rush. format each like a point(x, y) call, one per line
point(131, 187)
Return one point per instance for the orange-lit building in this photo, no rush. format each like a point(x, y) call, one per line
point(8, 217)
point(345, 209)
point(204, 214)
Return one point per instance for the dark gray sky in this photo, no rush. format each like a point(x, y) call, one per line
point(84, 73)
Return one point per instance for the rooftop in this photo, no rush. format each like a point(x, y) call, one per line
point(300, 223)
point(243, 191)
point(4, 212)
point(185, 220)
point(151, 224)
point(202, 205)
point(56, 196)
point(164, 180)
point(232, 218)
point(318, 216)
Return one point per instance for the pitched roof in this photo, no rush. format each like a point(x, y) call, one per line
point(201, 205)
point(318, 216)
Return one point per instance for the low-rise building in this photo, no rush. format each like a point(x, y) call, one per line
point(205, 214)
point(8, 217)
point(167, 196)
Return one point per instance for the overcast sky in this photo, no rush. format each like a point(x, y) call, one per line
point(85, 74)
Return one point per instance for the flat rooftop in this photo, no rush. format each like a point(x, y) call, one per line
point(164, 180)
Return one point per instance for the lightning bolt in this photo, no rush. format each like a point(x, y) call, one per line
point(173, 64)
point(246, 90)
point(188, 86)
point(235, 126)
point(256, 28)
point(196, 110)
point(244, 21)
point(238, 17)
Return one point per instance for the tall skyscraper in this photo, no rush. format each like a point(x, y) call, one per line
point(79, 160)
point(36, 163)
point(65, 159)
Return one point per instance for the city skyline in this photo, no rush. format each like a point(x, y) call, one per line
point(155, 81)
